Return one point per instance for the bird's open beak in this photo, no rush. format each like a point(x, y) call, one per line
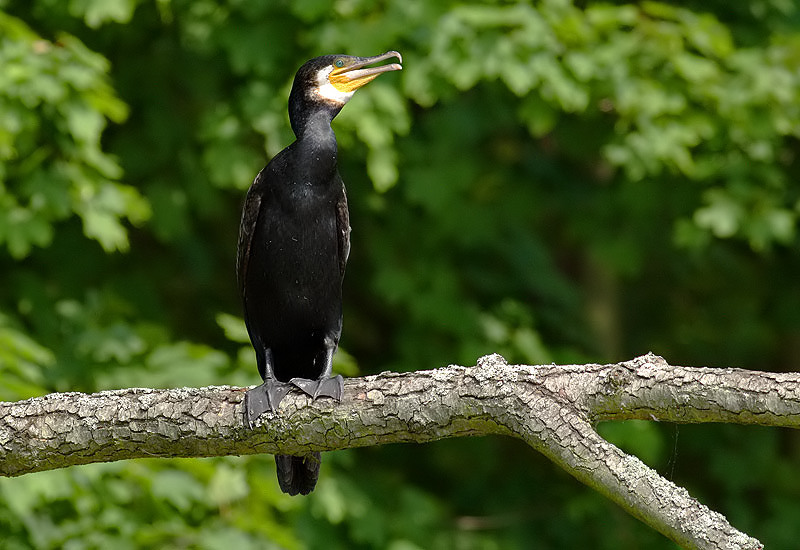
point(353, 75)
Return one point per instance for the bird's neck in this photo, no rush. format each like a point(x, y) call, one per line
point(316, 145)
point(306, 116)
point(316, 126)
point(316, 135)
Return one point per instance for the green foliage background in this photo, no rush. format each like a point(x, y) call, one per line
point(557, 181)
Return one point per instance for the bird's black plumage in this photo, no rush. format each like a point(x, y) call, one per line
point(294, 241)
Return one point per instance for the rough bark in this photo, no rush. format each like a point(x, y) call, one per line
point(552, 408)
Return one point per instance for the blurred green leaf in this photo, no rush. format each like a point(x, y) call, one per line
point(177, 488)
point(98, 12)
point(22, 361)
point(234, 328)
point(227, 485)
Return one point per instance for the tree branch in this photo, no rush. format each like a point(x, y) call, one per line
point(552, 408)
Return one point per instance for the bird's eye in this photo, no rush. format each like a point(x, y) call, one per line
point(339, 63)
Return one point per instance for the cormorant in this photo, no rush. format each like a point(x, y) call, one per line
point(294, 240)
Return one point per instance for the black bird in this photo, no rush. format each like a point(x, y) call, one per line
point(294, 240)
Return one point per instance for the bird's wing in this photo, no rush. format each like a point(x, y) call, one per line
point(343, 230)
point(247, 228)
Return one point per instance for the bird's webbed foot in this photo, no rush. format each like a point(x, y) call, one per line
point(332, 386)
point(263, 398)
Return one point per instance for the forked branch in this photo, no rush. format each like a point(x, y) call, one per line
point(552, 408)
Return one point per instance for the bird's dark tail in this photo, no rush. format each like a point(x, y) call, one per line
point(298, 474)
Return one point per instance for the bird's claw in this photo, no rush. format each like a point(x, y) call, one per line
point(263, 398)
point(268, 396)
point(326, 387)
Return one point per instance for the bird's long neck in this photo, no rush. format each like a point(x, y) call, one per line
point(316, 128)
point(316, 143)
point(304, 113)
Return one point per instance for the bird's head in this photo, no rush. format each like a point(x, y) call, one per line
point(330, 81)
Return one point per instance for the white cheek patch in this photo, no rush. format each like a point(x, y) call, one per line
point(328, 91)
